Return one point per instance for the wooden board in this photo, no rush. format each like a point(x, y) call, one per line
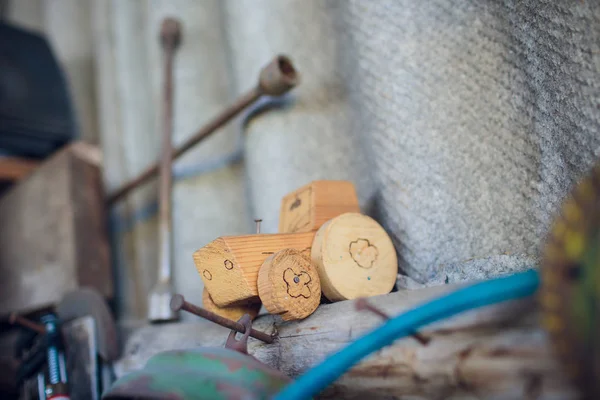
point(53, 235)
point(234, 312)
point(289, 285)
point(229, 265)
point(309, 207)
point(497, 352)
point(355, 258)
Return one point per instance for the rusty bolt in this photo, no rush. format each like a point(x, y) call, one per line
point(362, 304)
point(178, 303)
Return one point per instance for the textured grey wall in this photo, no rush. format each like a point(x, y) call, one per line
point(462, 123)
point(467, 120)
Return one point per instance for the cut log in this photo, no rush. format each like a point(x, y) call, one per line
point(309, 207)
point(288, 285)
point(497, 352)
point(234, 312)
point(53, 235)
point(229, 265)
point(355, 258)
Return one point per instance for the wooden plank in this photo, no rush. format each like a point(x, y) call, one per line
point(496, 352)
point(53, 236)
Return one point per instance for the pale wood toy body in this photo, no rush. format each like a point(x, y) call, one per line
point(355, 258)
point(234, 312)
point(229, 265)
point(310, 206)
point(288, 285)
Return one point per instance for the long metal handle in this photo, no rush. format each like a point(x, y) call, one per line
point(170, 37)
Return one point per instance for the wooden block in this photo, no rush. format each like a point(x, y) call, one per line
point(53, 235)
point(234, 312)
point(229, 265)
point(309, 207)
point(288, 285)
point(355, 258)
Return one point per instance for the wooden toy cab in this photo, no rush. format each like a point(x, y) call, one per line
point(324, 245)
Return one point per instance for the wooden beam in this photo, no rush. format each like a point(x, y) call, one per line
point(53, 235)
point(497, 352)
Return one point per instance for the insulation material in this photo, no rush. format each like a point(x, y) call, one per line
point(471, 119)
point(312, 137)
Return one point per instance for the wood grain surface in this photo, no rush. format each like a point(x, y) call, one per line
point(229, 265)
point(355, 258)
point(288, 285)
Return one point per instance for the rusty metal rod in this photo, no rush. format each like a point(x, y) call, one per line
point(178, 303)
point(275, 79)
point(160, 296)
point(362, 304)
point(27, 323)
point(171, 37)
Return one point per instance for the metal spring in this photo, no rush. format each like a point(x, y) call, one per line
point(52, 353)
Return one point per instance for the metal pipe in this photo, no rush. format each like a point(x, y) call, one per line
point(171, 37)
point(159, 297)
point(275, 79)
point(178, 303)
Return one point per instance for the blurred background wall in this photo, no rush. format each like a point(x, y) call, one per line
point(462, 123)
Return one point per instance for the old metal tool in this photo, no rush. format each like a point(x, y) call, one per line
point(570, 290)
point(362, 304)
point(178, 303)
point(203, 373)
point(158, 307)
point(275, 79)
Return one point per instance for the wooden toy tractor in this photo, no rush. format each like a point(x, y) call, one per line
point(324, 245)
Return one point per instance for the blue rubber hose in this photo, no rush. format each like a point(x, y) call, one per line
point(478, 295)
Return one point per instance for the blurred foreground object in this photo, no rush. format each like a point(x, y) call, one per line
point(570, 294)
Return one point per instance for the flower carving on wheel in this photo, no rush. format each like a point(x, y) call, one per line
point(363, 253)
point(297, 284)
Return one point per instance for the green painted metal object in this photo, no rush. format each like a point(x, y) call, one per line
point(204, 373)
point(201, 374)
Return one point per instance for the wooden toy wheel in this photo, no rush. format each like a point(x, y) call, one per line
point(289, 285)
point(355, 258)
